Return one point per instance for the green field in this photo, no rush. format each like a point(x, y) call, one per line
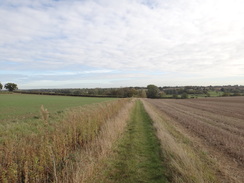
point(19, 106)
point(20, 113)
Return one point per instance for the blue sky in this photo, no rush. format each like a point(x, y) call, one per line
point(107, 43)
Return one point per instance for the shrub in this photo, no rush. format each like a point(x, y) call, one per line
point(184, 96)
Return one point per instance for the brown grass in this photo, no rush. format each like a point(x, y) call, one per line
point(49, 156)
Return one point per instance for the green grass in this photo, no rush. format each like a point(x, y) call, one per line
point(138, 156)
point(18, 106)
point(167, 96)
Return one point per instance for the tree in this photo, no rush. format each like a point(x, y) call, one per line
point(162, 94)
point(152, 91)
point(222, 89)
point(142, 94)
point(130, 92)
point(226, 94)
point(1, 86)
point(11, 86)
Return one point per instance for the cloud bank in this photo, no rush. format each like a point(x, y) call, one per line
point(106, 43)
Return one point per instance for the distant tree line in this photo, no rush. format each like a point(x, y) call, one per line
point(126, 92)
point(151, 91)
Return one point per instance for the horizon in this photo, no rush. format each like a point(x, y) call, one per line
point(177, 86)
point(106, 44)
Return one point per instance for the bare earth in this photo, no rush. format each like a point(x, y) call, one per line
point(218, 123)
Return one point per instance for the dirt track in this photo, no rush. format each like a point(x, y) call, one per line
point(219, 122)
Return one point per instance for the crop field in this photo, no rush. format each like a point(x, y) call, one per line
point(218, 123)
point(73, 139)
point(20, 106)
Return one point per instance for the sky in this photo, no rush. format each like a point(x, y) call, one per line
point(108, 43)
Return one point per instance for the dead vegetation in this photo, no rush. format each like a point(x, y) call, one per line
point(51, 154)
point(91, 156)
point(44, 114)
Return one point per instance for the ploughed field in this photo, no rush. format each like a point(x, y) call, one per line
point(217, 122)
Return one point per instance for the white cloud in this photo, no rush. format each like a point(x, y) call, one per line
point(201, 38)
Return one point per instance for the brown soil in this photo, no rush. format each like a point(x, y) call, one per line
point(218, 123)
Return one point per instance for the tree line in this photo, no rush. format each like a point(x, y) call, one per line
point(151, 91)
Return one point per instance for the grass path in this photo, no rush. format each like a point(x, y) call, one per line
point(137, 157)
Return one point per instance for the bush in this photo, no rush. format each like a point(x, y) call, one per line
point(175, 96)
point(184, 96)
point(225, 94)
